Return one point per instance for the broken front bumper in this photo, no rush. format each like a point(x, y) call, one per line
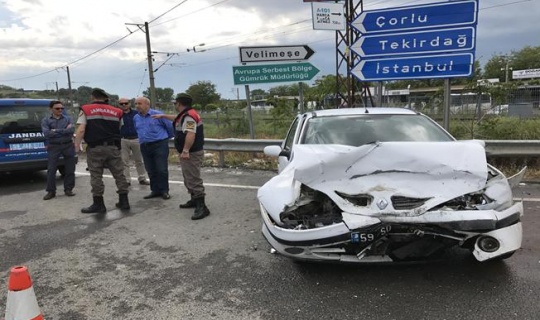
point(496, 233)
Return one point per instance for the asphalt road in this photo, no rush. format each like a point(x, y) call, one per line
point(156, 263)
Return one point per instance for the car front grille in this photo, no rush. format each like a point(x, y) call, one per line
point(361, 200)
point(406, 203)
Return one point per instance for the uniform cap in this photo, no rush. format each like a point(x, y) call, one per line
point(183, 96)
point(99, 93)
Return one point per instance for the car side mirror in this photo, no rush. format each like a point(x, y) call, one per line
point(272, 151)
point(285, 153)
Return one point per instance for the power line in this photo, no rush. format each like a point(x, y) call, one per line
point(505, 4)
point(190, 13)
point(96, 51)
point(219, 44)
point(164, 13)
point(99, 50)
point(142, 80)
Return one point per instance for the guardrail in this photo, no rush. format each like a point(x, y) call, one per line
point(494, 148)
point(235, 145)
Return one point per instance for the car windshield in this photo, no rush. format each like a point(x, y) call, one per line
point(357, 130)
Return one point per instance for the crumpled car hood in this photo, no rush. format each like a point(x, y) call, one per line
point(440, 171)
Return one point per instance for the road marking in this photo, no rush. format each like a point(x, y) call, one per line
point(527, 199)
point(234, 186)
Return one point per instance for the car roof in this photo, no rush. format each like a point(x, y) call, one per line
point(24, 101)
point(361, 111)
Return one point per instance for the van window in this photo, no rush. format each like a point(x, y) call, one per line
point(22, 144)
point(21, 119)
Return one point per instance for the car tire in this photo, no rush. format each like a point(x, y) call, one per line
point(62, 170)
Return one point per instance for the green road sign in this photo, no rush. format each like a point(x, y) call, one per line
point(268, 73)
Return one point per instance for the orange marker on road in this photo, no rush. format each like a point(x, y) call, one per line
point(21, 299)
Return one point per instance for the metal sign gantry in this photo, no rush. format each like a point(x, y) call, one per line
point(347, 86)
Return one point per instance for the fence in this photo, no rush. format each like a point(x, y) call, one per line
point(522, 101)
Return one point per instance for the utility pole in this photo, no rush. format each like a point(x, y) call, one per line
point(506, 72)
point(506, 67)
point(150, 67)
point(69, 87)
point(149, 54)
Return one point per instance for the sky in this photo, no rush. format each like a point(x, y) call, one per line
point(101, 43)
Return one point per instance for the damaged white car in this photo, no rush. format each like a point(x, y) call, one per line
point(383, 185)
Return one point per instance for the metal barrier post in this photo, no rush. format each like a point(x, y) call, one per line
point(221, 159)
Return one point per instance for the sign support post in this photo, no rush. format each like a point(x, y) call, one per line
point(250, 117)
point(446, 104)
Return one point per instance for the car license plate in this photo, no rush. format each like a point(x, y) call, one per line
point(26, 146)
point(370, 235)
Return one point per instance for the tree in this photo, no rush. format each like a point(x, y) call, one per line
point(163, 95)
point(82, 96)
point(325, 89)
point(526, 58)
point(495, 67)
point(203, 93)
point(284, 90)
point(283, 109)
point(325, 85)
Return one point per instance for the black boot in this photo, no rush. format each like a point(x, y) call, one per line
point(123, 202)
point(201, 210)
point(97, 207)
point(189, 204)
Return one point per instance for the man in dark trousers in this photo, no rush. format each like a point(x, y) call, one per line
point(58, 130)
point(99, 125)
point(189, 142)
point(154, 135)
point(130, 143)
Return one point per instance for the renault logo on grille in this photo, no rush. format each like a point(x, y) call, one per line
point(382, 204)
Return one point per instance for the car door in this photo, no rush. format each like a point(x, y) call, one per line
point(287, 148)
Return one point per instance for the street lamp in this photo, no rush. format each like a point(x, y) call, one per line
point(194, 48)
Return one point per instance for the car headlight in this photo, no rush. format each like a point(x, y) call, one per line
point(312, 209)
point(470, 201)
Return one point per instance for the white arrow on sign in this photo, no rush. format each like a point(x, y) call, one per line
point(275, 53)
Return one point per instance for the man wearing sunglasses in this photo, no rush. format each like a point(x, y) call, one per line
point(58, 130)
point(130, 143)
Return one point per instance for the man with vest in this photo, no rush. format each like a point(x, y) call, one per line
point(189, 142)
point(99, 125)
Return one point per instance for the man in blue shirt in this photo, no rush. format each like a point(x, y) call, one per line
point(58, 130)
point(130, 143)
point(154, 135)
